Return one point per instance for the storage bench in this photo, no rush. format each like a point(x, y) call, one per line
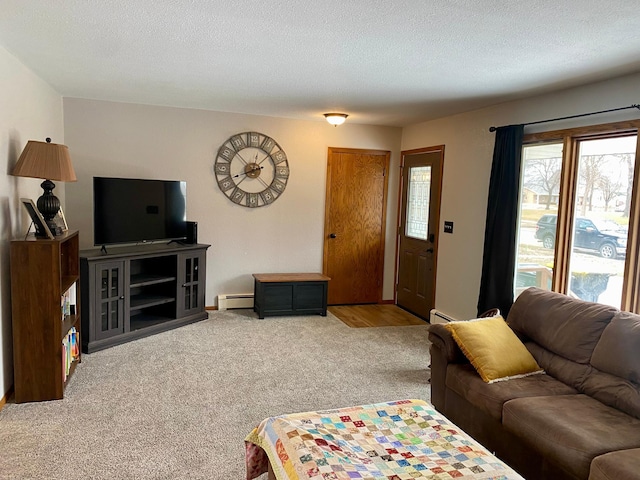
point(290, 294)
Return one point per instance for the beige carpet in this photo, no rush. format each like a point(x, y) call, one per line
point(179, 404)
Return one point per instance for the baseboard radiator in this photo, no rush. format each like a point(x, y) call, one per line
point(436, 316)
point(235, 300)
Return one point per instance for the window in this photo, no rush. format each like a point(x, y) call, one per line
point(578, 211)
point(540, 189)
point(418, 202)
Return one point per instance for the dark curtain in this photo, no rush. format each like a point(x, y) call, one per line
point(499, 258)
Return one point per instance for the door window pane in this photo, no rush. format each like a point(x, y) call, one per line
point(114, 282)
point(114, 314)
point(104, 317)
point(540, 192)
point(104, 284)
point(419, 193)
point(187, 298)
point(601, 219)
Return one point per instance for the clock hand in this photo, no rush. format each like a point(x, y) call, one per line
point(261, 161)
point(250, 171)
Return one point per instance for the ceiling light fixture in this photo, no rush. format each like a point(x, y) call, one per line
point(336, 119)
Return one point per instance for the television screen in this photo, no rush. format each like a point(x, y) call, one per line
point(129, 210)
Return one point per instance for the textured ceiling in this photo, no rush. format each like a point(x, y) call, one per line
point(386, 62)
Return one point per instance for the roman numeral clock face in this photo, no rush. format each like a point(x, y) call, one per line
point(251, 169)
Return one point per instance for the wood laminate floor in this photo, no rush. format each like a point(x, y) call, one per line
point(360, 316)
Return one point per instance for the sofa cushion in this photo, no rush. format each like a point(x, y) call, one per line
point(615, 380)
point(618, 351)
point(567, 371)
point(490, 397)
point(492, 348)
point(620, 465)
point(613, 391)
point(566, 326)
point(604, 387)
point(570, 430)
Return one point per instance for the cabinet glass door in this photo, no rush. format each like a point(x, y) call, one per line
point(110, 304)
point(191, 298)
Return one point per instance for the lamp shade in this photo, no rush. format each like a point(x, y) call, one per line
point(50, 161)
point(336, 118)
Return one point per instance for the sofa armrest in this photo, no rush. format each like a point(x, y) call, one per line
point(441, 338)
point(444, 350)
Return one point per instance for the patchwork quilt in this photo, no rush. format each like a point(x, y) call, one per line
point(399, 440)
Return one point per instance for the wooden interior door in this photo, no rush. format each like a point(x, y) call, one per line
point(418, 232)
point(355, 218)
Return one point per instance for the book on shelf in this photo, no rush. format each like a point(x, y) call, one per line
point(68, 302)
point(70, 351)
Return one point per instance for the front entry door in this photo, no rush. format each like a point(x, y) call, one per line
point(418, 232)
point(355, 218)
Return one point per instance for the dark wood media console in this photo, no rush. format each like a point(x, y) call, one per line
point(133, 292)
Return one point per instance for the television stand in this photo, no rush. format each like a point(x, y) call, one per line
point(136, 291)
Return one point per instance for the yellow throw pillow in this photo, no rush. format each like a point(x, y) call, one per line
point(493, 349)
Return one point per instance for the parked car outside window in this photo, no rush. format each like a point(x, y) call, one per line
point(606, 237)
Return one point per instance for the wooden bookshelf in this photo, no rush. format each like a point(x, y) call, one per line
point(42, 271)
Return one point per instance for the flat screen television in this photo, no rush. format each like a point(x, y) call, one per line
point(132, 210)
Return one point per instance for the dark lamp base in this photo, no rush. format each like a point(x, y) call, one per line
point(48, 205)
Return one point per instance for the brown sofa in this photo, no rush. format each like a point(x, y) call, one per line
point(579, 420)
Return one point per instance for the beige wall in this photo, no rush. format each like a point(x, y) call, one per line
point(467, 168)
point(117, 139)
point(31, 110)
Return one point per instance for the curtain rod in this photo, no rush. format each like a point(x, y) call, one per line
point(493, 129)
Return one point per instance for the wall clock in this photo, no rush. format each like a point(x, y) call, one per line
point(251, 169)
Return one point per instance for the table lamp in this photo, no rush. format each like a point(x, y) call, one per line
point(50, 161)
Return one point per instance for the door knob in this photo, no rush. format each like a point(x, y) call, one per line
point(332, 235)
point(429, 250)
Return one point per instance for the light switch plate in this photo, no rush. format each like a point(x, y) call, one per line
point(448, 227)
